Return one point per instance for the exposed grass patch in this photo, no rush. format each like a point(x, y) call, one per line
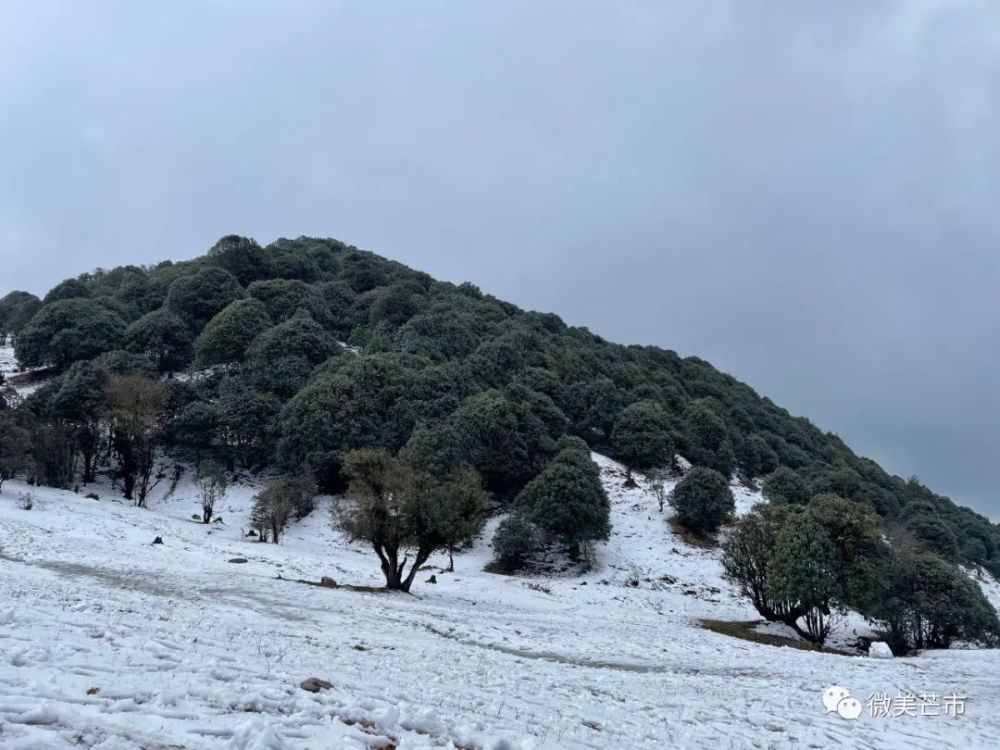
point(744, 630)
point(695, 539)
point(330, 584)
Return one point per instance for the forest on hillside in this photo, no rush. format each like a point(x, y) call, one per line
point(339, 369)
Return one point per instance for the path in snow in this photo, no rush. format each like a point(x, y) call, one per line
point(188, 650)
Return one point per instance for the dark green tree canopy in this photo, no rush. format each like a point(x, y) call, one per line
point(163, 337)
point(226, 336)
point(703, 499)
point(68, 331)
point(642, 436)
point(197, 298)
point(301, 336)
point(510, 383)
point(784, 485)
point(567, 500)
point(16, 309)
point(282, 298)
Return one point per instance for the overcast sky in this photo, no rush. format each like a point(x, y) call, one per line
point(807, 194)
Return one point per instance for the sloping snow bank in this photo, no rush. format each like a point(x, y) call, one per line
point(109, 641)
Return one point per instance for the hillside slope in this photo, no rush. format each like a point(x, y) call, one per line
point(111, 642)
point(281, 392)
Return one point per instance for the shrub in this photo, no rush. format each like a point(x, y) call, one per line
point(784, 485)
point(567, 501)
point(515, 538)
point(702, 499)
point(642, 436)
point(934, 534)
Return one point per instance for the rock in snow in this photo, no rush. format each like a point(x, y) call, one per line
point(879, 650)
point(315, 684)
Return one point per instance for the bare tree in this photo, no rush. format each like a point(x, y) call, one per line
point(212, 484)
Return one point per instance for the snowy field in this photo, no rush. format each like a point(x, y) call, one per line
point(111, 642)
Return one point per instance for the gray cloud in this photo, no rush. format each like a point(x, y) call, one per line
point(802, 193)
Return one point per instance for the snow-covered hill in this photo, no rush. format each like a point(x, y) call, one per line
point(109, 641)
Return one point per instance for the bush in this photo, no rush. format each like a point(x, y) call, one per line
point(642, 437)
point(934, 535)
point(516, 537)
point(702, 499)
point(567, 501)
point(785, 485)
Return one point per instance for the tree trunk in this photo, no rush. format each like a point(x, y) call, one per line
point(422, 554)
point(391, 568)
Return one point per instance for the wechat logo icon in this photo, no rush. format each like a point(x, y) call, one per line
point(838, 700)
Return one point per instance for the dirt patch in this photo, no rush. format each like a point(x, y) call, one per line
point(744, 630)
point(693, 538)
point(328, 583)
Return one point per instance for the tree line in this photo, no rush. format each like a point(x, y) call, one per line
point(292, 357)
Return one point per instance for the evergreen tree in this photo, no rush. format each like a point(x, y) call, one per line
point(804, 571)
point(394, 510)
point(198, 298)
point(755, 457)
point(702, 499)
point(642, 437)
point(163, 337)
point(16, 309)
point(707, 439)
point(226, 336)
point(68, 331)
point(925, 602)
point(515, 538)
point(785, 486)
point(747, 558)
point(934, 535)
point(567, 501)
point(15, 447)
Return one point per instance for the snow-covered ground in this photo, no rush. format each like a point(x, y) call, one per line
point(109, 641)
point(9, 367)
